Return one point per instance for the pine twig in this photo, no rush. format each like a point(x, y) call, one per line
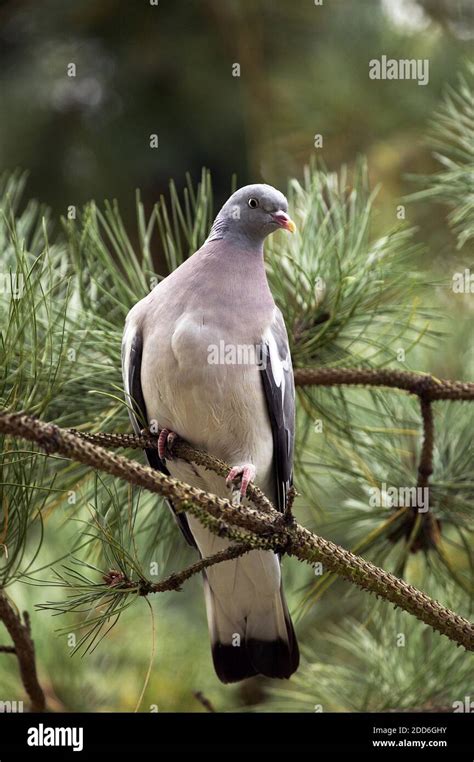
point(24, 649)
point(181, 449)
point(174, 581)
point(199, 696)
point(423, 385)
point(425, 468)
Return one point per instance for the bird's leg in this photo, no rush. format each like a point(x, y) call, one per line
point(240, 476)
point(166, 440)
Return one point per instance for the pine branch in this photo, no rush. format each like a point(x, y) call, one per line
point(181, 449)
point(119, 581)
point(199, 696)
point(24, 649)
point(425, 468)
point(423, 385)
point(261, 530)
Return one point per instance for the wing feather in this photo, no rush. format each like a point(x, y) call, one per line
point(279, 388)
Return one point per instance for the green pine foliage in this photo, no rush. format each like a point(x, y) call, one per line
point(452, 141)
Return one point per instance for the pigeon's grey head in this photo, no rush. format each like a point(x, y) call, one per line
point(252, 213)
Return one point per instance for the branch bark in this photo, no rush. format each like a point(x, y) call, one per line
point(174, 581)
point(423, 385)
point(24, 649)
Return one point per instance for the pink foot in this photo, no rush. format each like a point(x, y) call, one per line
point(242, 475)
point(166, 440)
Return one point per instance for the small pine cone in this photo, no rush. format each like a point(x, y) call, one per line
point(113, 577)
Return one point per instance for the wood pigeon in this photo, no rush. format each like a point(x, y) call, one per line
point(205, 356)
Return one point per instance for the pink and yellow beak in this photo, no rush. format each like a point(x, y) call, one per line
point(284, 221)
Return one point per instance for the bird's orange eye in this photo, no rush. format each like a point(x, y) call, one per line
point(253, 203)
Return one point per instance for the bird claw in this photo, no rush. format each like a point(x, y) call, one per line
point(166, 440)
point(240, 477)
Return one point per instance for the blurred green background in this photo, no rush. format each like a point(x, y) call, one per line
point(167, 70)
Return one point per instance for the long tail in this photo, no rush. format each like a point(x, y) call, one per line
point(250, 626)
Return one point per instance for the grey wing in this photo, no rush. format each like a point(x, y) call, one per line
point(279, 388)
point(132, 349)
